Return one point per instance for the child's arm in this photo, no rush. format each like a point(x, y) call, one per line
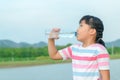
point(53, 52)
point(105, 74)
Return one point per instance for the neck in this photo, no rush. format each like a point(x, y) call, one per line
point(88, 43)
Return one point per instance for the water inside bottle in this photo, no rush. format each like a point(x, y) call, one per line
point(67, 35)
point(61, 35)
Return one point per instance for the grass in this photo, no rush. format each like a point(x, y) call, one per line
point(43, 60)
point(115, 56)
point(38, 61)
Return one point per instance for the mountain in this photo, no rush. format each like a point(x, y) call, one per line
point(24, 44)
point(12, 44)
point(40, 44)
point(115, 43)
point(8, 43)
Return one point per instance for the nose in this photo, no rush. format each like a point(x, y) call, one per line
point(77, 29)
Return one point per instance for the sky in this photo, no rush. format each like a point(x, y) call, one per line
point(27, 20)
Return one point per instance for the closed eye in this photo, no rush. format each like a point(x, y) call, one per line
point(81, 25)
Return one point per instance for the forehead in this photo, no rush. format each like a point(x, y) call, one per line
point(83, 22)
point(84, 25)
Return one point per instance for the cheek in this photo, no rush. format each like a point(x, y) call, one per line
point(82, 31)
point(82, 34)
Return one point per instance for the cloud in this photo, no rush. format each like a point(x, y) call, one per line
point(21, 18)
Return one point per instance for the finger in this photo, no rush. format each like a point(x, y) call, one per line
point(56, 29)
point(57, 38)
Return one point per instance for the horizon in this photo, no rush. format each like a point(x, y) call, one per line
point(42, 41)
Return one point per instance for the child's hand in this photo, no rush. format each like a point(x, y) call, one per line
point(54, 34)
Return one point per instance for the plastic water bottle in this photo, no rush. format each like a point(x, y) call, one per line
point(61, 34)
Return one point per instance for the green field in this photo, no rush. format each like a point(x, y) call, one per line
point(39, 61)
point(16, 57)
point(115, 56)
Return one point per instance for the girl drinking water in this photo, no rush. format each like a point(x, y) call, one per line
point(90, 60)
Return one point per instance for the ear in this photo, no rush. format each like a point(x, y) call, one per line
point(92, 31)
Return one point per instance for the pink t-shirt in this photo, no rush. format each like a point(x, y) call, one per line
point(86, 62)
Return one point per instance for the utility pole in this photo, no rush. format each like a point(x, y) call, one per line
point(112, 49)
point(12, 56)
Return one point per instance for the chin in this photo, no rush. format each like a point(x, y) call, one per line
point(79, 39)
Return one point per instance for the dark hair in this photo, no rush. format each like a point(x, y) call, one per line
point(97, 24)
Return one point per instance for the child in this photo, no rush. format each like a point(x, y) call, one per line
point(90, 60)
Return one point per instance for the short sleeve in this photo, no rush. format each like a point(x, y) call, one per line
point(66, 53)
point(103, 59)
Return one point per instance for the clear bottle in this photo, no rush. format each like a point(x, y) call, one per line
point(61, 34)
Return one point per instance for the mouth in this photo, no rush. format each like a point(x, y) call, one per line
point(77, 34)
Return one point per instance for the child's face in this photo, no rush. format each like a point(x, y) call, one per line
point(83, 32)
